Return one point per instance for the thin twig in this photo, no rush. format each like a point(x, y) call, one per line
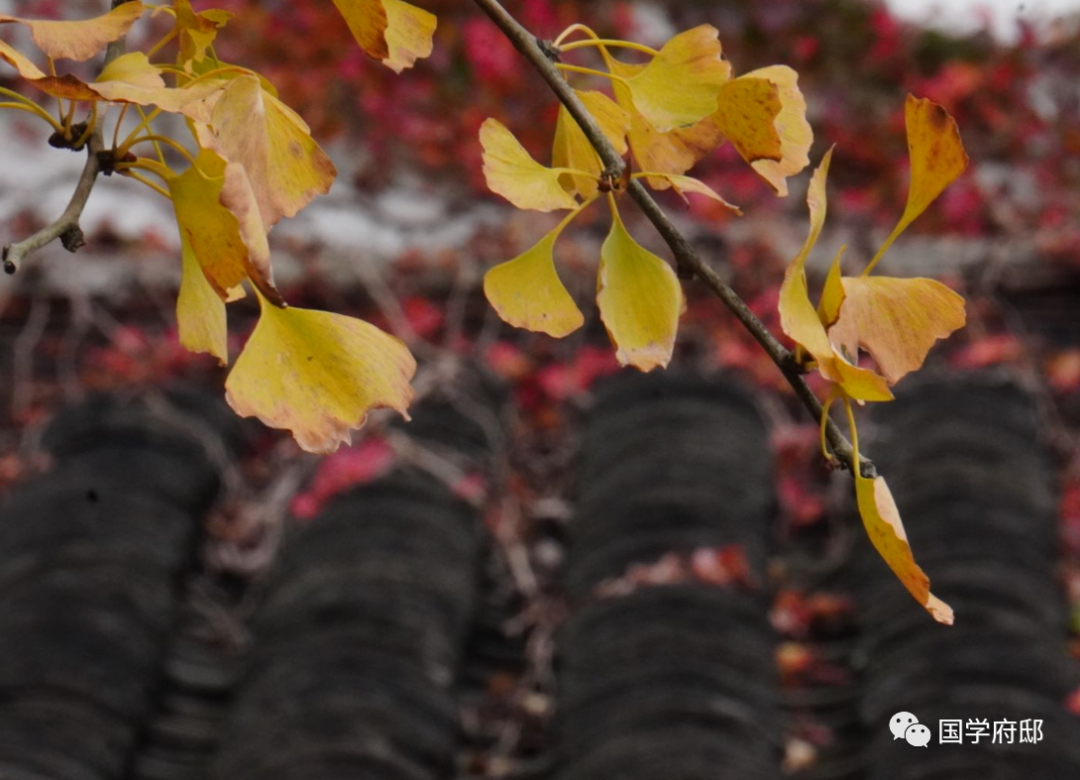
point(66, 226)
point(688, 261)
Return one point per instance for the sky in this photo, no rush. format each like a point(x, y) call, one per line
point(967, 15)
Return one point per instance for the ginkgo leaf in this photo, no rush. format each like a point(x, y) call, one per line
point(684, 184)
point(802, 322)
point(936, 152)
point(640, 300)
point(409, 32)
point(882, 521)
point(318, 375)
point(197, 31)
point(571, 149)
point(798, 317)
point(832, 294)
point(511, 172)
point(367, 20)
point(207, 227)
point(132, 78)
point(65, 86)
point(82, 39)
point(794, 130)
point(526, 292)
point(238, 197)
point(200, 312)
point(691, 60)
point(896, 320)
point(287, 169)
point(746, 114)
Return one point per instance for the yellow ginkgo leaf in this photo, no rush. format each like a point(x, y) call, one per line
point(526, 292)
point(679, 86)
point(511, 172)
point(207, 227)
point(684, 184)
point(802, 322)
point(287, 169)
point(238, 197)
point(318, 375)
point(367, 21)
point(200, 312)
point(640, 300)
point(80, 40)
point(881, 519)
point(937, 155)
point(794, 130)
point(197, 31)
point(572, 149)
point(132, 78)
point(798, 317)
point(896, 320)
point(832, 294)
point(746, 114)
point(409, 32)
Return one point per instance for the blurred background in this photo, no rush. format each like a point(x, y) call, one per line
point(508, 418)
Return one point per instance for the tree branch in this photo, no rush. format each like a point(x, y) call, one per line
point(66, 226)
point(540, 55)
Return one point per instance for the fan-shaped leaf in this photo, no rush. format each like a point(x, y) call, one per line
point(82, 39)
point(511, 172)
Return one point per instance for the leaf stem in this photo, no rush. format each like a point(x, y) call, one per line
point(588, 72)
point(156, 139)
point(612, 43)
point(884, 248)
point(119, 121)
point(37, 111)
point(162, 43)
point(573, 29)
point(123, 171)
point(144, 124)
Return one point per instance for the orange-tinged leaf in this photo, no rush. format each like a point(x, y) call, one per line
point(640, 301)
point(208, 228)
point(409, 32)
point(200, 312)
point(318, 375)
point(679, 86)
point(367, 20)
point(882, 521)
point(746, 115)
point(526, 292)
point(287, 169)
point(937, 155)
point(66, 86)
point(859, 384)
point(80, 40)
point(796, 136)
point(896, 320)
point(511, 172)
point(571, 149)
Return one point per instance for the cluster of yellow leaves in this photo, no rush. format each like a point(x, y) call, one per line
point(314, 373)
point(667, 114)
point(895, 321)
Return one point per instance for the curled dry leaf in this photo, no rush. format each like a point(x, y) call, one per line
point(882, 521)
point(937, 155)
point(526, 292)
point(640, 300)
point(511, 172)
point(238, 197)
point(318, 375)
point(250, 126)
point(82, 39)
